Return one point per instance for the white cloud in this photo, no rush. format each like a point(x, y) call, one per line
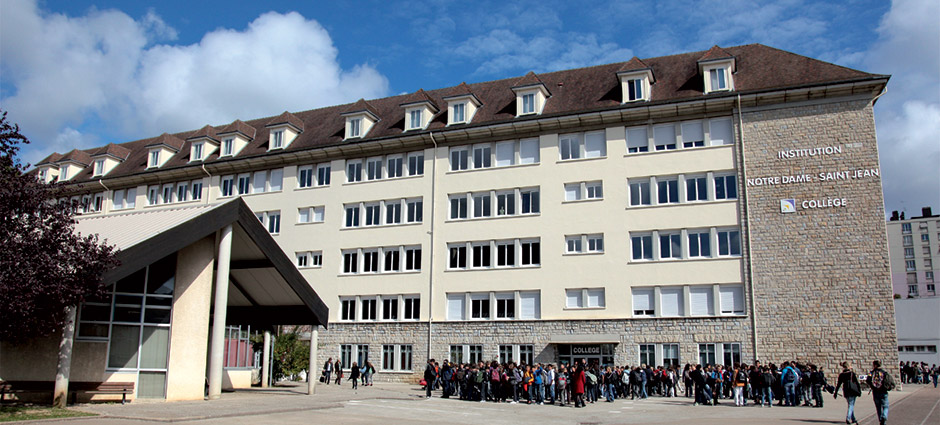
point(908, 115)
point(502, 51)
point(106, 68)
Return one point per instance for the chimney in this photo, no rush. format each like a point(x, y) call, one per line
point(926, 211)
point(902, 215)
point(894, 215)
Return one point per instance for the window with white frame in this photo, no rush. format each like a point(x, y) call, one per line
point(346, 354)
point(530, 200)
point(647, 354)
point(244, 184)
point(720, 132)
point(505, 203)
point(480, 306)
point(352, 215)
point(640, 193)
point(416, 164)
point(373, 214)
point(354, 171)
point(731, 298)
point(271, 220)
point(196, 190)
point(481, 203)
point(672, 301)
point(726, 187)
point(397, 358)
point(392, 259)
point(637, 140)
point(508, 253)
point(182, 192)
point(569, 146)
point(531, 253)
point(98, 168)
point(670, 355)
point(350, 261)
point(500, 154)
point(374, 168)
point(313, 175)
point(642, 246)
point(368, 309)
point(910, 265)
point(908, 240)
point(667, 190)
point(573, 244)
point(355, 127)
point(124, 198)
point(228, 146)
point(585, 298)
point(505, 305)
point(729, 243)
point(664, 137)
point(905, 227)
point(383, 213)
point(413, 258)
point(411, 308)
point(718, 79)
point(706, 354)
point(347, 309)
point(696, 188)
point(635, 90)
point(228, 186)
point(456, 307)
point(154, 158)
point(459, 158)
point(309, 259)
point(701, 300)
point(693, 136)
point(670, 245)
point(482, 156)
point(505, 253)
point(643, 302)
point(415, 122)
point(415, 210)
point(482, 255)
point(390, 308)
point(394, 166)
point(310, 214)
point(370, 260)
point(277, 139)
point(197, 151)
point(393, 212)
point(577, 244)
point(699, 244)
point(528, 103)
point(458, 112)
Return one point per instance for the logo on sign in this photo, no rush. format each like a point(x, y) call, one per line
point(787, 205)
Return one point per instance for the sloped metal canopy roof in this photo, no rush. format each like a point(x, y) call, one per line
point(265, 288)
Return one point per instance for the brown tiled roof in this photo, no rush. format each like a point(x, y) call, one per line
point(287, 118)
point(715, 53)
point(116, 151)
point(460, 90)
point(420, 96)
point(52, 158)
point(760, 68)
point(634, 64)
point(78, 156)
point(530, 79)
point(239, 126)
point(206, 132)
point(169, 140)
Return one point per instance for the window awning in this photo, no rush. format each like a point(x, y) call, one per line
point(265, 288)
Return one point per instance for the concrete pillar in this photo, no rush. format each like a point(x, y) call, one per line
point(64, 365)
point(266, 360)
point(312, 368)
point(217, 340)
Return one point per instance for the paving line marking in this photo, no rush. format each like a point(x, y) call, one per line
point(613, 411)
point(930, 413)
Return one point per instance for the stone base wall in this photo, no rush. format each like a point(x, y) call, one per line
point(687, 332)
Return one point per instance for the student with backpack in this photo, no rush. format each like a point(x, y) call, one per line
point(740, 381)
point(880, 383)
point(851, 389)
point(791, 379)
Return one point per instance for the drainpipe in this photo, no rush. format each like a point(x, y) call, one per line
point(106, 190)
point(747, 219)
point(203, 165)
point(431, 244)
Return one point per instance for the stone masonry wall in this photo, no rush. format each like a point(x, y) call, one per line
point(820, 276)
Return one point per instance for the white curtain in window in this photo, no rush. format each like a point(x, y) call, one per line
point(505, 153)
point(643, 299)
point(595, 144)
point(455, 307)
point(719, 131)
point(318, 214)
point(130, 200)
point(118, 199)
point(701, 301)
point(671, 299)
point(529, 151)
point(529, 305)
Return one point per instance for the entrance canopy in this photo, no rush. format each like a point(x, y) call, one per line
point(265, 288)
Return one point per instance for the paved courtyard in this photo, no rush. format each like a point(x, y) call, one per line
point(399, 403)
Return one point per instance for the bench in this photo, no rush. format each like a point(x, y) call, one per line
point(75, 387)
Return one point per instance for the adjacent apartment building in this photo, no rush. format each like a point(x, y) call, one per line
point(705, 207)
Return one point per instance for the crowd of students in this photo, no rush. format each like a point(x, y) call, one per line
point(919, 373)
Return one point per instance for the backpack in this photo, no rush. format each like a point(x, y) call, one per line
point(478, 377)
point(591, 378)
point(790, 375)
point(741, 376)
point(494, 375)
point(880, 380)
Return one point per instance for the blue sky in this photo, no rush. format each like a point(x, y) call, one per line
point(85, 73)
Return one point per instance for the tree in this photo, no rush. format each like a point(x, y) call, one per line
point(45, 267)
point(291, 355)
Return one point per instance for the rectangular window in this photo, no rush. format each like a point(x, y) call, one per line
point(352, 215)
point(345, 354)
point(348, 309)
point(415, 122)
point(905, 227)
point(153, 195)
point(415, 210)
point(668, 191)
point(350, 262)
point(393, 212)
point(413, 259)
point(595, 144)
point(528, 103)
point(480, 306)
point(459, 158)
point(373, 214)
point(643, 302)
point(573, 298)
point(197, 151)
point(373, 168)
point(671, 355)
point(911, 278)
point(456, 308)
point(481, 256)
point(154, 158)
point(390, 308)
point(701, 300)
point(505, 203)
point(354, 171)
point(99, 167)
point(572, 191)
point(394, 166)
point(273, 221)
point(196, 190)
point(634, 89)
point(482, 206)
point(275, 179)
point(642, 247)
point(458, 207)
point(368, 309)
point(720, 132)
point(316, 259)
point(595, 190)
point(244, 184)
point(458, 112)
point(277, 139)
point(458, 256)
point(910, 265)
point(392, 261)
point(405, 353)
point(323, 175)
point(699, 244)
point(706, 354)
point(529, 307)
point(228, 146)
point(732, 354)
point(310, 214)
point(573, 244)
point(505, 253)
point(908, 240)
point(388, 357)
point(529, 151)
point(637, 140)
point(482, 156)
point(305, 176)
point(595, 298)
point(302, 259)
point(526, 354)
point(416, 164)
point(925, 237)
point(912, 291)
point(355, 127)
point(117, 199)
point(729, 242)
point(671, 300)
point(692, 135)
point(732, 300)
point(505, 354)
point(412, 310)
point(569, 146)
point(531, 255)
point(664, 137)
point(228, 186)
point(670, 246)
point(530, 201)
point(595, 243)
point(928, 276)
point(505, 306)
point(726, 187)
point(505, 154)
point(476, 354)
point(717, 78)
point(648, 354)
point(695, 189)
point(370, 261)
point(640, 193)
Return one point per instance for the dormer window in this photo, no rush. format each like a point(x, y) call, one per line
point(462, 108)
point(459, 112)
point(65, 173)
point(42, 175)
point(228, 146)
point(154, 158)
point(355, 127)
point(415, 120)
point(528, 103)
point(99, 167)
point(277, 139)
point(197, 151)
point(716, 77)
point(635, 82)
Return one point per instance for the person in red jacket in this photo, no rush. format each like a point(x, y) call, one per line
point(577, 385)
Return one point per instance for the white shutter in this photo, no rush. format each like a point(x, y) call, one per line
point(573, 191)
point(277, 179)
point(732, 299)
point(529, 151)
point(671, 299)
point(529, 305)
point(505, 153)
point(664, 135)
point(637, 137)
point(318, 214)
point(118, 199)
point(259, 179)
point(719, 131)
point(573, 298)
point(642, 299)
point(130, 199)
point(595, 144)
point(303, 215)
point(455, 307)
point(701, 301)
point(596, 297)
point(692, 132)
